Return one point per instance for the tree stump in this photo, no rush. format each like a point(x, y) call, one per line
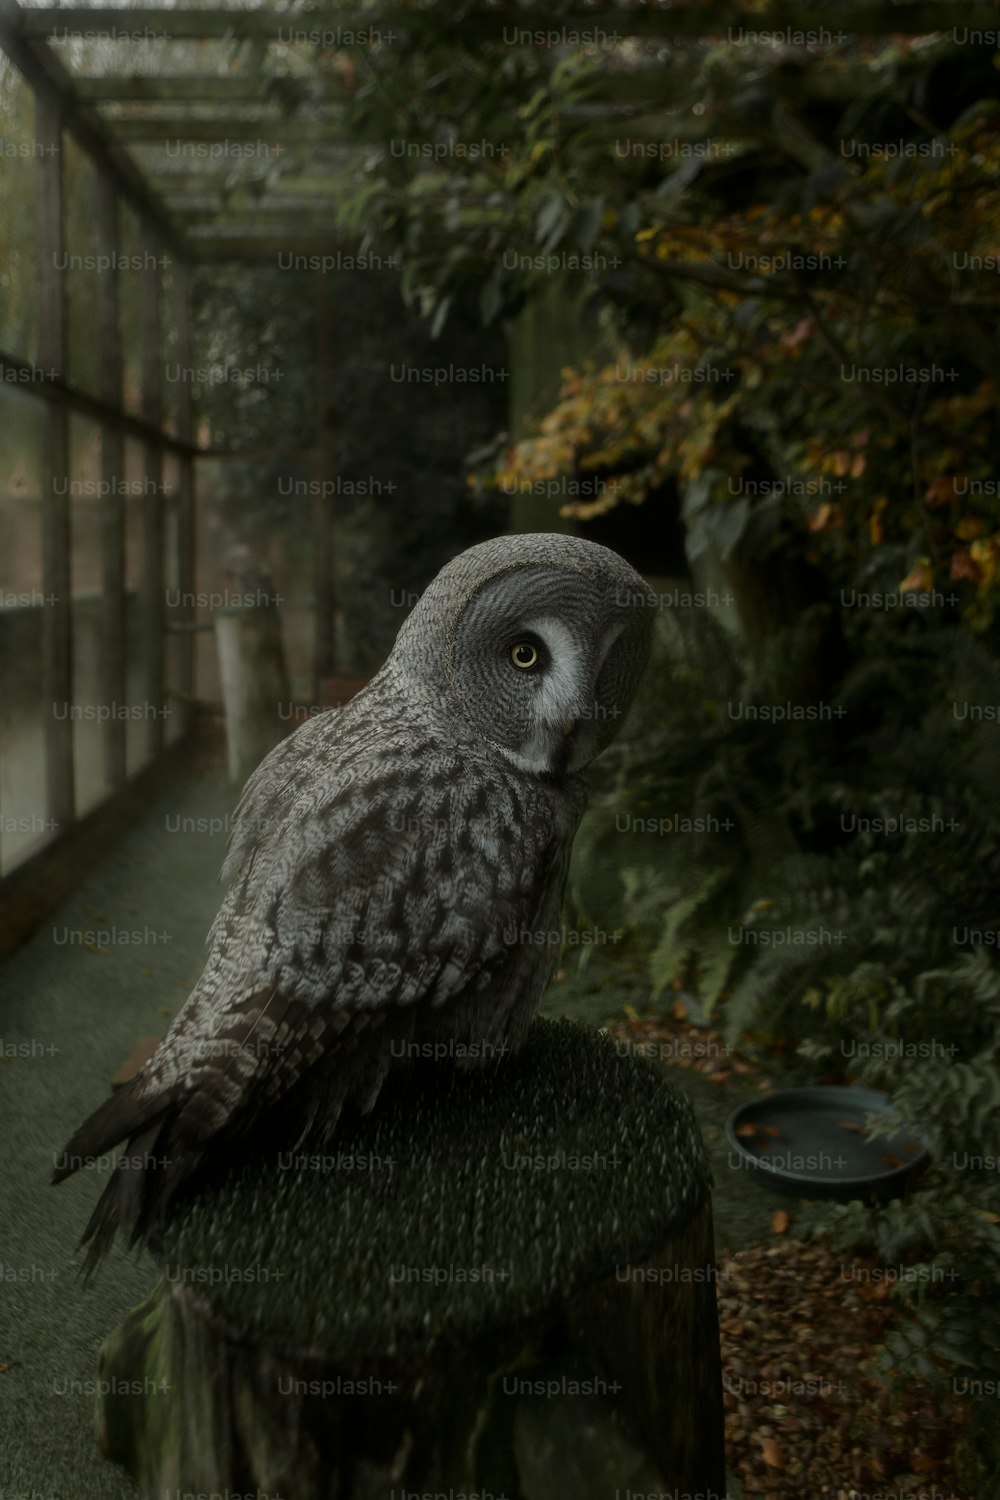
point(501, 1282)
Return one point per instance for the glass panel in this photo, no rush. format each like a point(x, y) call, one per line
point(176, 642)
point(130, 311)
point(24, 822)
point(86, 504)
point(209, 577)
point(18, 213)
point(136, 498)
point(169, 348)
point(80, 262)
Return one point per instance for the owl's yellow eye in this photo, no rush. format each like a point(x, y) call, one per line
point(524, 655)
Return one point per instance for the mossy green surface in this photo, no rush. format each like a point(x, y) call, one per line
point(466, 1200)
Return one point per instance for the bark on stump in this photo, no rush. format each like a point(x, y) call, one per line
point(501, 1282)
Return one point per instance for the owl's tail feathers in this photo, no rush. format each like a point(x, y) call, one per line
point(127, 1202)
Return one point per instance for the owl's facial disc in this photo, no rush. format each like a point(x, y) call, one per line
point(555, 726)
point(541, 660)
point(528, 659)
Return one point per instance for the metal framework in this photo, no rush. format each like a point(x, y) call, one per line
point(224, 131)
point(261, 120)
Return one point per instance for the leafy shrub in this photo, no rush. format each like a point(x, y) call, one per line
point(792, 911)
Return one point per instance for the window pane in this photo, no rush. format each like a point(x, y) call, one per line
point(170, 349)
point(80, 260)
point(177, 642)
point(86, 504)
point(141, 491)
point(130, 315)
point(18, 212)
point(24, 824)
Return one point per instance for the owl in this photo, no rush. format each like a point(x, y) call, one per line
point(395, 872)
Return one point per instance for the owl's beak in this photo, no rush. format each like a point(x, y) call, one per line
point(569, 726)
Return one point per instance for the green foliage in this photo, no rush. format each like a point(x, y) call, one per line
point(794, 249)
point(795, 855)
point(851, 905)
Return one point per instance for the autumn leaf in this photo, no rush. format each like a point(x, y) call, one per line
point(829, 516)
point(771, 1452)
point(919, 579)
point(873, 1291)
point(964, 565)
point(876, 526)
point(780, 1221)
point(986, 554)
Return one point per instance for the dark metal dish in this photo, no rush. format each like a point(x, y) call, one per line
point(813, 1143)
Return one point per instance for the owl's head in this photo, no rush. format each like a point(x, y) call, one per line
point(537, 641)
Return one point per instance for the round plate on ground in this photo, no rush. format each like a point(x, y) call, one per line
point(813, 1143)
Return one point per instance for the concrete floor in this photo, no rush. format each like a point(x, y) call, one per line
point(69, 1016)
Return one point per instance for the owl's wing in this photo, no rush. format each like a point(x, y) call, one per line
point(265, 796)
point(369, 874)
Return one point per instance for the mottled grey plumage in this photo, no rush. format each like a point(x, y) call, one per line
point(395, 869)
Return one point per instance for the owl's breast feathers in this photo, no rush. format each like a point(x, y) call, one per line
point(387, 882)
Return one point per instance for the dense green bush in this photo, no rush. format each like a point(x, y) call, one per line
point(835, 882)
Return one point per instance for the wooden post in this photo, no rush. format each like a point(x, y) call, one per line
point(114, 628)
point(57, 669)
point(254, 683)
point(552, 331)
point(502, 1280)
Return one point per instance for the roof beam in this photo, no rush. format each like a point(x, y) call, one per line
point(273, 131)
point(194, 23)
point(330, 28)
point(232, 88)
point(307, 220)
point(45, 73)
point(249, 247)
point(224, 184)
